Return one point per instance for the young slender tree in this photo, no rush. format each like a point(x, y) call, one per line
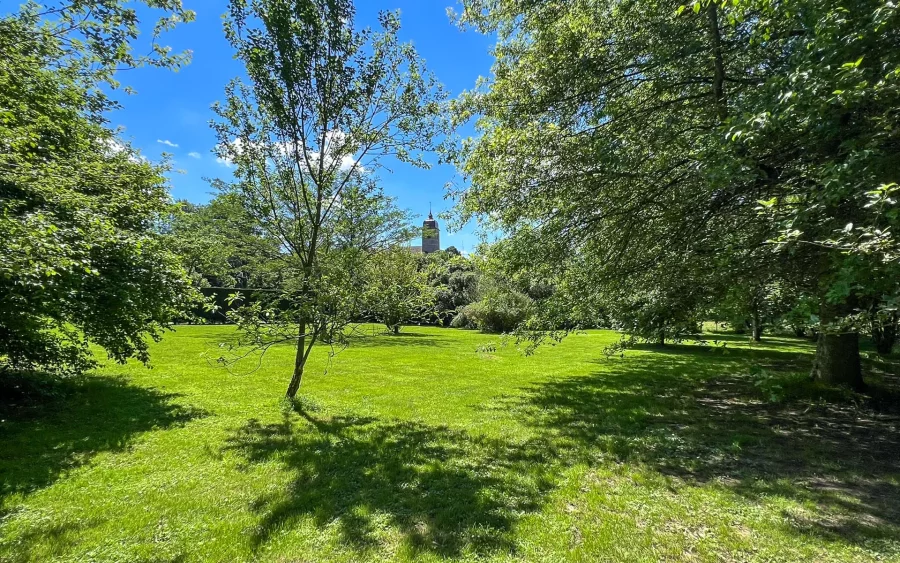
point(323, 106)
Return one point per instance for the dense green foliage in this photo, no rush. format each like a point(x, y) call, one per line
point(454, 279)
point(80, 262)
point(500, 307)
point(630, 147)
point(222, 246)
point(417, 447)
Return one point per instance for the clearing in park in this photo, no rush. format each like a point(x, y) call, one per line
point(420, 447)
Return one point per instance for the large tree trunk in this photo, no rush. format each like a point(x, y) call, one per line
point(837, 360)
point(299, 363)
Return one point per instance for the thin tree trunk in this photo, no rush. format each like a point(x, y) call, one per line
point(718, 85)
point(299, 363)
point(757, 327)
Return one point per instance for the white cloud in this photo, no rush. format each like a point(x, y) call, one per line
point(115, 146)
point(335, 149)
point(348, 161)
point(194, 154)
point(167, 142)
point(225, 151)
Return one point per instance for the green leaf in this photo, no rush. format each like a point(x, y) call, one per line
point(854, 64)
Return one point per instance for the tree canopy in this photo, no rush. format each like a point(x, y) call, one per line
point(222, 246)
point(80, 260)
point(624, 144)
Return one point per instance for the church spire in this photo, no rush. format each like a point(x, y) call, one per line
point(431, 233)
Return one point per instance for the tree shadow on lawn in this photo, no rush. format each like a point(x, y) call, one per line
point(355, 340)
point(699, 415)
point(50, 426)
point(404, 339)
point(690, 413)
point(447, 492)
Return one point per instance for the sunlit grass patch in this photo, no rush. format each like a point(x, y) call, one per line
point(423, 447)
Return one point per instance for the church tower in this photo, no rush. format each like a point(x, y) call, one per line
point(431, 235)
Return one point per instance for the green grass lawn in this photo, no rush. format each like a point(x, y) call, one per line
point(421, 448)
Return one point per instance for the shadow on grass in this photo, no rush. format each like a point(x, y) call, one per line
point(699, 416)
point(691, 413)
point(381, 338)
point(445, 491)
point(50, 426)
point(366, 338)
point(779, 355)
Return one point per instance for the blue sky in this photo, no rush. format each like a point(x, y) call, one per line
point(174, 108)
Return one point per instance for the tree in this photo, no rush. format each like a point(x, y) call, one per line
point(755, 305)
point(222, 246)
point(396, 289)
point(830, 142)
point(325, 104)
point(656, 316)
point(80, 261)
point(879, 310)
point(202, 247)
point(369, 220)
point(743, 136)
point(454, 279)
point(501, 306)
point(94, 39)
point(884, 329)
point(800, 318)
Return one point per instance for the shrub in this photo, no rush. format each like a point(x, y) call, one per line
point(500, 310)
point(464, 319)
